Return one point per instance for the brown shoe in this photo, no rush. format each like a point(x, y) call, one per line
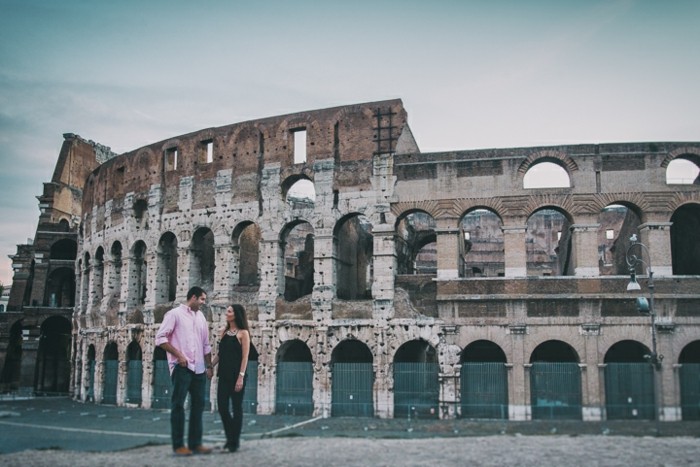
point(182, 451)
point(201, 449)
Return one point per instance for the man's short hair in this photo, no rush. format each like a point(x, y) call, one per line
point(195, 292)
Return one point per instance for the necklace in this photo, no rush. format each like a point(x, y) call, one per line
point(232, 333)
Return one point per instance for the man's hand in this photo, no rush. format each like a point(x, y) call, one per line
point(182, 361)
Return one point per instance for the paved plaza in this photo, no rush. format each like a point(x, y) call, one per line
point(59, 431)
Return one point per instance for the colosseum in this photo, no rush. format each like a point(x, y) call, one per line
point(379, 280)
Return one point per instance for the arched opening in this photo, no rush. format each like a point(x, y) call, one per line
point(298, 260)
point(354, 246)
point(166, 268)
point(160, 398)
point(28, 288)
point(629, 382)
point(353, 379)
point(416, 386)
point(98, 277)
point(60, 288)
point(246, 243)
point(481, 247)
point(416, 244)
point(202, 264)
point(484, 381)
point(555, 382)
point(299, 192)
point(689, 360)
point(111, 374)
point(134, 373)
point(548, 244)
point(90, 395)
point(138, 275)
point(683, 170)
point(52, 375)
point(250, 396)
point(85, 283)
point(546, 173)
point(11, 370)
point(64, 249)
point(617, 224)
point(115, 271)
point(685, 243)
point(294, 385)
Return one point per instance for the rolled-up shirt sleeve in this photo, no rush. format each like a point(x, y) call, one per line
point(166, 329)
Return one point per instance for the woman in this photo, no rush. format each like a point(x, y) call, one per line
point(232, 359)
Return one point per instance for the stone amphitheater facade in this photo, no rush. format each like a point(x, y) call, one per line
point(390, 282)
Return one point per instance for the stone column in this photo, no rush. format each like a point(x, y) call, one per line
point(447, 248)
point(591, 375)
point(223, 277)
point(518, 376)
point(267, 371)
point(324, 276)
point(585, 249)
point(122, 377)
point(183, 271)
point(384, 265)
point(657, 238)
point(515, 252)
point(271, 276)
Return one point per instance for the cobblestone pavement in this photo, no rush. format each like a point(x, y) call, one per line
point(59, 431)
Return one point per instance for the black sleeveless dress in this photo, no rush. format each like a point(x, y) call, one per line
point(230, 355)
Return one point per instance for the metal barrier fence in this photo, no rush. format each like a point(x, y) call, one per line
point(555, 390)
point(629, 391)
point(416, 390)
point(134, 378)
point(484, 390)
point(294, 388)
point(352, 390)
point(111, 372)
point(690, 391)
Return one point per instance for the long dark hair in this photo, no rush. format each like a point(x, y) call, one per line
point(239, 317)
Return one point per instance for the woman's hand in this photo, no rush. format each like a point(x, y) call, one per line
point(239, 384)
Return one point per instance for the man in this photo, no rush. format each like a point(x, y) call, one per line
point(184, 335)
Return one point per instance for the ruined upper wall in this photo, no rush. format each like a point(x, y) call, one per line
point(348, 135)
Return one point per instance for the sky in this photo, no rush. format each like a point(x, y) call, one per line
point(471, 74)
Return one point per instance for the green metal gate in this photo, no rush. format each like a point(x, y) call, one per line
point(690, 391)
point(134, 378)
point(416, 390)
point(294, 388)
point(109, 392)
point(91, 380)
point(161, 385)
point(250, 396)
point(629, 391)
point(555, 390)
point(484, 390)
point(352, 390)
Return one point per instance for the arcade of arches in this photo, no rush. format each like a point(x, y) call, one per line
point(382, 281)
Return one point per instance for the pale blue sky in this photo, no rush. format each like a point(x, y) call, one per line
point(472, 74)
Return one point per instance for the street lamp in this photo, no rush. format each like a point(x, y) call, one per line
point(644, 306)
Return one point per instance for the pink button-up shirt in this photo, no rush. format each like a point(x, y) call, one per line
point(188, 332)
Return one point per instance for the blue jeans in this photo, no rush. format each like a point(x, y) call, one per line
point(186, 381)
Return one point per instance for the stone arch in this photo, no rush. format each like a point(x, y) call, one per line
point(294, 379)
point(416, 229)
point(298, 191)
point(690, 153)
point(246, 238)
point(52, 374)
point(110, 374)
point(555, 381)
point(134, 373)
point(202, 259)
point(548, 242)
point(352, 378)
point(166, 268)
point(64, 249)
point(11, 369)
point(297, 259)
point(416, 385)
point(60, 288)
point(353, 253)
point(483, 381)
point(629, 382)
point(548, 155)
point(618, 221)
point(138, 279)
point(689, 375)
point(482, 246)
point(685, 246)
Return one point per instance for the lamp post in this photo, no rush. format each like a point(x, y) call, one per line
point(633, 261)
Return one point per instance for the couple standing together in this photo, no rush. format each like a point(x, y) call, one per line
point(184, 335)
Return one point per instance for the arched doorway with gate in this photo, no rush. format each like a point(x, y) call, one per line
point(629, 382)
point(294, 384)
point(483, 381)
point(111, 374)
point(555, 382)
point(416, 385)
point(52, 375)
point(134, 373)
point(352, 380)
point(689, 361)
